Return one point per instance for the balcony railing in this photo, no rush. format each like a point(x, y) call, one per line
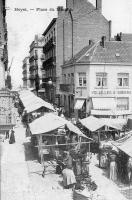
point(50, 61)
point(67, 88)
point(50, 44)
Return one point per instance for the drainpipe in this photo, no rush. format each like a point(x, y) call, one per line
point(63, 43)
point(72, 29)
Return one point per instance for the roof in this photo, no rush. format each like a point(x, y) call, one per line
point(49, 26)
point(112, 52)
point(50, 122)
point(126, 37)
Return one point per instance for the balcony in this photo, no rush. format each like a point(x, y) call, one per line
point(32, 77)
point(50, 61)
point(67, 88)
point(50, 44)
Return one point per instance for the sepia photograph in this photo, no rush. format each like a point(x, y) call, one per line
point(65, 99)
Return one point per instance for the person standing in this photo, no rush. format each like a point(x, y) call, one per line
point(113, 167)
point(12, 137)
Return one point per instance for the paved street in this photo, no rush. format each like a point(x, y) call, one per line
point(22, 176)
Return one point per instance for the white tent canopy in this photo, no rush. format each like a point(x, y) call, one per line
point(31, 102)
point(50, 122)
point(125, 144)
point(92, 123)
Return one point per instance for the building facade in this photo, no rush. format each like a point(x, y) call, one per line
point(25, 72)
point(35, 60)
point(49, 62)
point(3, 44)
point(7, 119)
point(79, 23)
point(102, 82)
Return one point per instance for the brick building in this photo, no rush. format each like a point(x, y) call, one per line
point(102, 81)
point(79, 23)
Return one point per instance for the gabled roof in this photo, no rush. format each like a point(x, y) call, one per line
point(112, 52)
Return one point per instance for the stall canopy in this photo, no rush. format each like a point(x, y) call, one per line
point(31, 102)
point(125, 144)
point(50, 122)
point(114, 123)
point(79, 103)
point(92, 123)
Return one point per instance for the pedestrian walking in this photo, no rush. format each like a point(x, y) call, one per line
point(12, 137)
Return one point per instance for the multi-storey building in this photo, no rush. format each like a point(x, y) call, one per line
point(67, 34)
point(25, 67)
point(101, 77)
point(49, 62)
point(76, 25)
point(3, 44)
point(35, 60)
point(6, 100)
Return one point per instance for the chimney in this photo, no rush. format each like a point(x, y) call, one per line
point(120, 36)
point(99, 5)
point(103, 39)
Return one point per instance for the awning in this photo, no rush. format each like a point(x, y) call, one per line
point(104, 103)
point(110, 112)
point(125, 144)
point(92, 123)
point(114, 123)
point(79, 103)
point(50, 122)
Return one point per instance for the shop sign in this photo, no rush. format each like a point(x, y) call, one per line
point(110, 92)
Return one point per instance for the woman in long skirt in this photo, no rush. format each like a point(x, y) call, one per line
point(12, 137)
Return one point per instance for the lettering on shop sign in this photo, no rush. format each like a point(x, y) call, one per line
point(110, 92)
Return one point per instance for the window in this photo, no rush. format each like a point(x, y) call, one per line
point(72, 78)
point(123, 79)
point(82, 79)
point(123, 103)
point(101, 79)
point(69, 80)
point(64, 78)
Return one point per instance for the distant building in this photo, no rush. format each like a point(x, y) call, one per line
point(35, 60)
point(98, 80)
point(25, 72)
point(49, 62)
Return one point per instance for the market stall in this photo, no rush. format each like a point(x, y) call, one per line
point(61, 135)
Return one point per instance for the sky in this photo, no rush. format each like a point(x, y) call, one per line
point(23, 25)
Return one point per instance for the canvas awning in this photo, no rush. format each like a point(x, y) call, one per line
point(104, 103)
point(114, 123)
point(50, 122)
point(125, 144)
point(92, 123)
point(79, 103)
point(36, 105)
point(31, 102)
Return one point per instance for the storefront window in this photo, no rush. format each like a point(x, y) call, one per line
point(82, 79)
point(123, 79)
point(101, 79)
point(123, 103)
